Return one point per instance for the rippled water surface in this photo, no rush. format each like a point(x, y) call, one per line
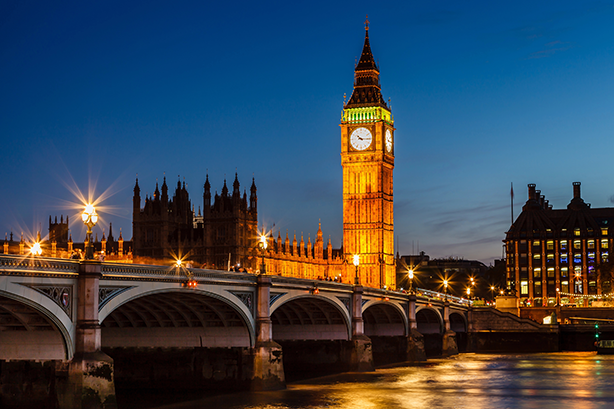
point(555, 380)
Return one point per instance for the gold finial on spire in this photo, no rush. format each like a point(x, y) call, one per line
point(367, 23)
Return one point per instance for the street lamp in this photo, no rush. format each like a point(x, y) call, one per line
point(36, 249)
point(410, 274)
point(468, 292)
point(492, 293)
point(356, 263)
point(90, 218)
point(445, 289)
point(263, 245)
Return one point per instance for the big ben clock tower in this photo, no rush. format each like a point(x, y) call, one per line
point(367, 157)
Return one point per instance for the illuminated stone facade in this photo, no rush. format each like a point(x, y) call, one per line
point(562, 249)
point(367, 157)
point(295, 259)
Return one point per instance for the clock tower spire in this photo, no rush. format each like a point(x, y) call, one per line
point(367, 158)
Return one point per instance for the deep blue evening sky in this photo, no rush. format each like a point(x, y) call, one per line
point(484, 93)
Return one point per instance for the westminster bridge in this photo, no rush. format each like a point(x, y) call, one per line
point(233, 325)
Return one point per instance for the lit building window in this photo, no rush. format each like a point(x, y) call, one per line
point(524, 288)
point(604, 243)
point(576, 232)
point(564, 271)
point(563, 257)
point(537, 272)
point(563, 244)
point(564, 286)
point(537, 256)
point(604, 231)
point(577, 258)
point(591, 256)
point(551, 272)
point(604, 256)
point(538, 288)
point(591, 244)
point(577, 244)
point(536, 243)
point(550, 245)
point(577, 270)
point(550, 258)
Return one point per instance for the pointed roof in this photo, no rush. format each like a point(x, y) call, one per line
point(367, 62)
point(367, 90)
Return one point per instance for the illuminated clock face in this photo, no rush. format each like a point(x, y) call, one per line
point(388, 141)
point(361, 139)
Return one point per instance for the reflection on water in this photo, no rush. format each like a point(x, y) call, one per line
point(555, 380)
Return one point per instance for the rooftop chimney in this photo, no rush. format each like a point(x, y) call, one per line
point(576, 190)
point(531, 191)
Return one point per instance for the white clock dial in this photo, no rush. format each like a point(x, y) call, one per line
point(388, 141)
point(361, 139)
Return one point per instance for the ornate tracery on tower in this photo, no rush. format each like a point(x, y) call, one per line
point(367, 157)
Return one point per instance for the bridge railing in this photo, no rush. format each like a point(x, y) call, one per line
point(172, 272)
point(27, 263)
point(442, 296)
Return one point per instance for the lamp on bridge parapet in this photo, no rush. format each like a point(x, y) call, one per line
point(468, 293)
point(356, 262)
point(263, 245)
point(410, 275)
point(36, 249)
point(90, 218)
point(445, 289)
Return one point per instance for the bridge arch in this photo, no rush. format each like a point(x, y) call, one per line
point(34, 330)
point(429, 320)
point(458, 322)
point(310, 317)
point(384, 318)
point(198, 318)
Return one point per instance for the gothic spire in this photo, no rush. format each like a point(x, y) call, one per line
point(235, 185)
point(367, 89)
point(224, 189)
point(137, 189)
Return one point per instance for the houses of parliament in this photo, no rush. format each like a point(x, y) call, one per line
point(224, 231)
point(221, 232)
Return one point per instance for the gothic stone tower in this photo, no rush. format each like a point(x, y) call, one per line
point(367, 157)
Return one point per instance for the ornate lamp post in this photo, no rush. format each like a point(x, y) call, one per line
point(90, 218)
point(356, 263)
point(445, 289)
point(492, 293)
point(468, 293)
point(410, 275)
point(263, 245)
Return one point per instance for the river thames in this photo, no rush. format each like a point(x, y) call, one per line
point(549, 380)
